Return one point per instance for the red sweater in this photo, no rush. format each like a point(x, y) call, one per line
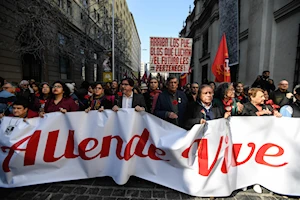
point(66, 103)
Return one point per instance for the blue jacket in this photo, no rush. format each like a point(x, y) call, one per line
point(164, 106)
point(6, 97)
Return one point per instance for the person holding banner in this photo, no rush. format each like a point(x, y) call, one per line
point(203, 109)
point(129, 99)
point(256, 106)
point(99, 100)
point(61, 100)
point(21, 110)
point(292, 110)
point(171, 104)
point(225, 98)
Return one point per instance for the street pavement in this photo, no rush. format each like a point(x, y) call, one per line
point(106, 189)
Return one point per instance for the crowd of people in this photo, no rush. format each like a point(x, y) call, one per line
point(184, 107)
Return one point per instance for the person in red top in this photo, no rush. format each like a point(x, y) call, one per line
point(61, 100)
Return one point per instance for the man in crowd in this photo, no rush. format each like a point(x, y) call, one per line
point(292, 110)
point(282, 96)
point(114, 87)
point(171, 103)
point(264, 82)
point(7, 97)
point(129, 99)
point(194, 92)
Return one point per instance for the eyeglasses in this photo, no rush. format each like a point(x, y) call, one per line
point(57, 86)
point(153, 82)
point(98, 88)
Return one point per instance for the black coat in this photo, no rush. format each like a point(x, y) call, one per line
point(250, 109)
point(164, 105)
point(194, 114)
point(137, 100)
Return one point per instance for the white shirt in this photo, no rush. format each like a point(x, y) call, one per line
point(207, 108)
point(127, 101)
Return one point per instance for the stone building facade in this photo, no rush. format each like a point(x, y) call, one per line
point(73, 39)
point(267, 39)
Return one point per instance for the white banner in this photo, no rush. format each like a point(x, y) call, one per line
point(171, 55)
point(210, 160)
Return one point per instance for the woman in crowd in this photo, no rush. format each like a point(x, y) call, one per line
point(225, 98)
point(35, 88)
point(99, 101)
point(269, 101)
point(152, 94)
point(256, 106)
point(203, 109)
point(61, 100)
point(212, 84)
point(239, 93)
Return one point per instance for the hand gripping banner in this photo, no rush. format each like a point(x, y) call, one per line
point(209, 160)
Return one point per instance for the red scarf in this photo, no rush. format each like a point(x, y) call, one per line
point(241, 97)
point(271, 103)
point(227, 105)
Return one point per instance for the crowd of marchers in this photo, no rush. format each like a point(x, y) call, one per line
point(184, 107)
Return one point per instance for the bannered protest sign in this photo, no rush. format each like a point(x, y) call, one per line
point(171, 55)
point(209, 160)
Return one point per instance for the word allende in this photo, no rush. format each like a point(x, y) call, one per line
point(129, 150)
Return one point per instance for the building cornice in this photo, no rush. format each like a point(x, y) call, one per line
point(207, 56)
point(286, 10)
point(205, 16)
point(243, 35)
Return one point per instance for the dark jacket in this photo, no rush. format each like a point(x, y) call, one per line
point(296, 109)
point(106, 101)
point(137, 100)
point(250, 109)
point(164, 106)
point(264, 84)
point(279, 98)
point(195, 112)
point(218, 103)
point(150, 99)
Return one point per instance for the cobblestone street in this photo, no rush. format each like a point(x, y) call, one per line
point(106, 189)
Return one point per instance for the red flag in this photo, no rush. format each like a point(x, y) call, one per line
point(183, 79)
point(220, 67)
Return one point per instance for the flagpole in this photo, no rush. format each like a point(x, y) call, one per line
point(113, 40)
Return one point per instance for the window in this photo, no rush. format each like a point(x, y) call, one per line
point(204, 73)
point(69, 7)
point(61, 39)
point(95, 72)
point(98, 17)
point(205, 43)
point(95, 13)
point(64, 66)
point(85, 3)
point(61, 3)
point(81, 16)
